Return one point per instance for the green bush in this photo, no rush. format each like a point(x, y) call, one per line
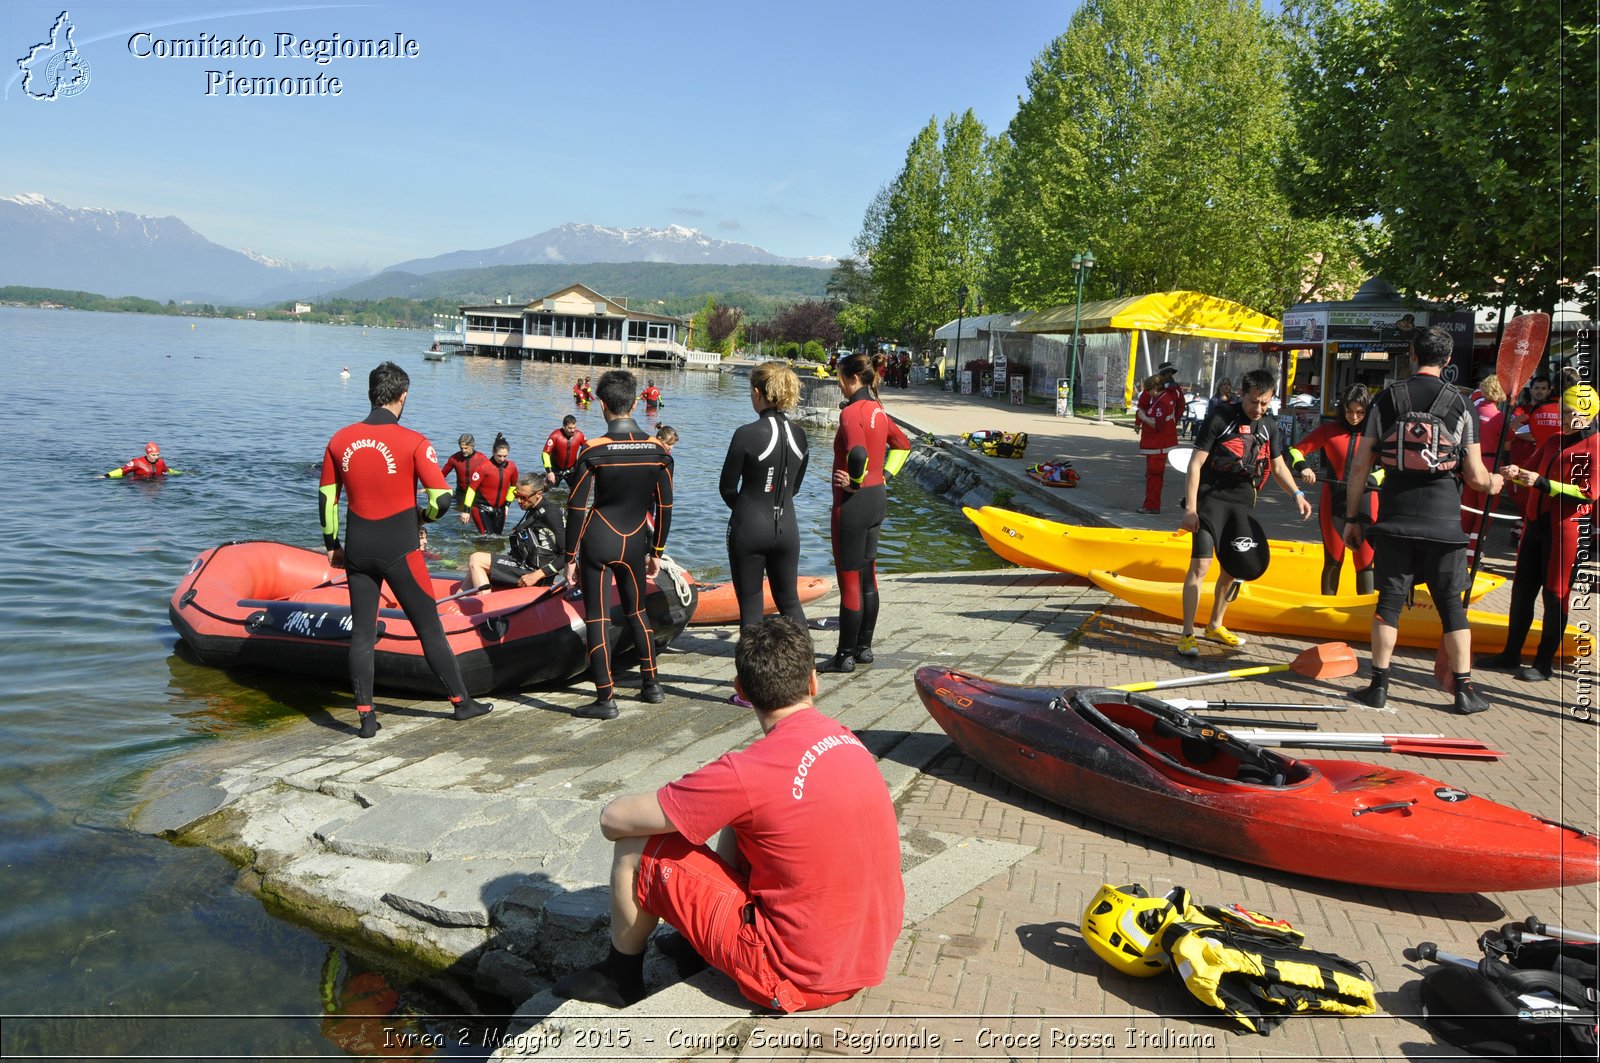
point(815, 352)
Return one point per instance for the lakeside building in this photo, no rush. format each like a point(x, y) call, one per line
point(577, 324)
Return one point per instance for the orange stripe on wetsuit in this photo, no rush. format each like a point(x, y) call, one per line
point(617, 481)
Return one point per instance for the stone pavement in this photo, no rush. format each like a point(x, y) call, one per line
point(473, 849)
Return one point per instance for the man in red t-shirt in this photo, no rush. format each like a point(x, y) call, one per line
point(798, 909)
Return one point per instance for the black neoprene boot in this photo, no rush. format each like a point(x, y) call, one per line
point(1377, 693)
point(1468, 700)
point(651, 693)
point(616, 981)
point(369, 724)
point(598, 709)
point(839, 662)
point(469, 709)
point(869, 625)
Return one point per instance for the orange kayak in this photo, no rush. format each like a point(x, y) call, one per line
point(719, 605)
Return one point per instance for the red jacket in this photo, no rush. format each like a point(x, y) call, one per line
point(1166, 407)
point(1575, 460)
point(560, 452)
point(140, 469)
point(490, 484)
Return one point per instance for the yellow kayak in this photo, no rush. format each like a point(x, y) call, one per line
point(1034, 542)
point(1346, 616)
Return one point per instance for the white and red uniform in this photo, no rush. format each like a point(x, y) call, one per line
point(1165, 407)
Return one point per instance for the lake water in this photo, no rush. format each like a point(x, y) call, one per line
point(142, 935)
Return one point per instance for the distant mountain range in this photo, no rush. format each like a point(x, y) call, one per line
point(46, 244)
point(573, 243)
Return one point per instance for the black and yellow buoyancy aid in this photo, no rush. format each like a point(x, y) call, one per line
point(1260, 979)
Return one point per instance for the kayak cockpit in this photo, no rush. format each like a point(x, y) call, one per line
point(1174, 742)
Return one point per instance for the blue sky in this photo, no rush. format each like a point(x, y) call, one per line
point(769, 124)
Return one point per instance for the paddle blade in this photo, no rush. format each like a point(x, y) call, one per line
point(1331, 660)
point(1521, 348)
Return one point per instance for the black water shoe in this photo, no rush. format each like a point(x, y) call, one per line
point(863, 655)
point(471, 710)
point(596, 985)
point(598, 709)
point(839, 662)
point(1374, 697)
point(1532, 673)
point(652, 694)
point(369, 724)
point(1469, 701)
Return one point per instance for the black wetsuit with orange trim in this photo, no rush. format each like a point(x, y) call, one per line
point(866, 432)
point(379, 465)
point(617, 481)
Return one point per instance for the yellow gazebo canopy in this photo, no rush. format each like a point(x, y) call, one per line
point(1178, 313)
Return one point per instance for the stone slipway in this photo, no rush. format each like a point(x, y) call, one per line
point(473, 848)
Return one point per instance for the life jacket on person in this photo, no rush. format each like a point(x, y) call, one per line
point(1423, 441)
point(1243, 452)
point(1260, 977)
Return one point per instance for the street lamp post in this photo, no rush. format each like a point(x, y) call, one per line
point(961, 308)
point(1081, 263)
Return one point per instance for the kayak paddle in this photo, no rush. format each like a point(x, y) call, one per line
point(1188, 705)
point(1331, 660)
point(1421, 748)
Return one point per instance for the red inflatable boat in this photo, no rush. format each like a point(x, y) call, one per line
point(279, 608)
point(1136, 761)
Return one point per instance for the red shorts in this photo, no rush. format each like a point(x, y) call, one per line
point(710, 904)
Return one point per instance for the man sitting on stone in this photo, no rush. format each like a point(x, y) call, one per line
point(802, 900)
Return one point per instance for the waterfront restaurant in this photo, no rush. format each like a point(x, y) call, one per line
point(579, 325)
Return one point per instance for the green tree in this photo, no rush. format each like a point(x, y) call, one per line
point(968, 187)
point(912, 264)
point(1468, 128)
point(1152, 135)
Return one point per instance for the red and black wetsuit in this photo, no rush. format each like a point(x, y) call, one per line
point(561, 453)
point(490, 488)
point(379, 465)
point(866, 432)
point(461, 465)
point(618, 480)
point(141, 468)
point(1337, 440)
point(1560, 512)
point(651, 396)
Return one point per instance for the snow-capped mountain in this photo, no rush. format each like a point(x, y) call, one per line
point(45, 244)
point(576, 243)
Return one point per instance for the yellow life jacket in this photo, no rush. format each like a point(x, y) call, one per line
point(1261, 979)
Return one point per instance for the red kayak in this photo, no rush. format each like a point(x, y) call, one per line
point(719, 605)
point(279, 608)
point(1135, 761)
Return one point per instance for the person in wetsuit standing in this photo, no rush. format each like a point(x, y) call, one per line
point(379, 465)
point(1337, 439)
point(619, 479)
point(489, 489)
point(460, 463)
point(860, 502)
point(561, 451)
point(766, 460)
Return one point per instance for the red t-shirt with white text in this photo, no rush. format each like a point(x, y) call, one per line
point(816, 825)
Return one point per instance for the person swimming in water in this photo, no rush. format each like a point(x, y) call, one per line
point(148, 466)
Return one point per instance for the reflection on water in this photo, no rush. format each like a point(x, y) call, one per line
point(99, 921)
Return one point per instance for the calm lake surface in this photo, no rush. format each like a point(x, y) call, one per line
point(146, 937)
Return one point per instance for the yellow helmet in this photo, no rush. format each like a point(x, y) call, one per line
point(1123, 926)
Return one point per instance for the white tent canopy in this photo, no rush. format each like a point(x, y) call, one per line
point(971, 326)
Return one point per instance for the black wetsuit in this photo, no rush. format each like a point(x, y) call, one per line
point(379, 464)
point(1241, 462)
point(537, 545)
point(766, 460)
point(617, 481)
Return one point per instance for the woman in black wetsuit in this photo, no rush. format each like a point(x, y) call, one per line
point(867, 446)
point(760, 475)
